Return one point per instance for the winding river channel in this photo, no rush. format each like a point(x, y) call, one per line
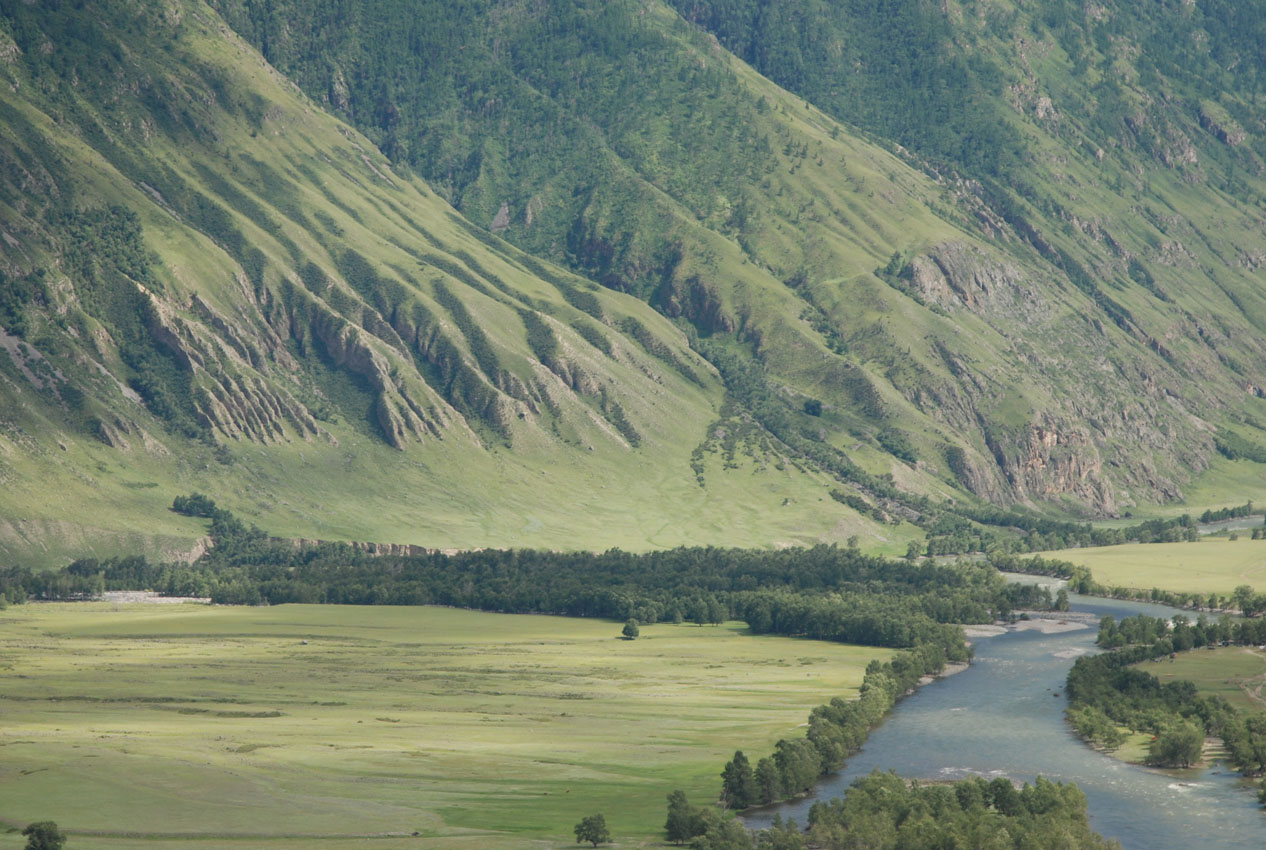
point(1003, 716)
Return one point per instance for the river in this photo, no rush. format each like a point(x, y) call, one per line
point(1004, 716)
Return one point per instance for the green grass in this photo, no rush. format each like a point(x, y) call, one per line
point(1212, 565)
point(152, 726)
point(1226, 483)
point(1233, 672)
point(1134, 750)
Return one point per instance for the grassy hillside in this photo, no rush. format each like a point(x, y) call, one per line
point(164, 726)
point(213, 285)
point(1017, 300)
point(582, 277)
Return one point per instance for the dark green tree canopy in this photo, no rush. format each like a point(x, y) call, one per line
point(44, 835)
point(592, 829)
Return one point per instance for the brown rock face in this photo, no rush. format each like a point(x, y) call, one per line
point(956, 275)
point(1056, 459)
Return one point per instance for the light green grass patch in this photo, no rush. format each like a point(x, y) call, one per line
point(1135, 748)
point(1207, 566)
point(151, 725)
point(1235, 673)
point(1225, 483)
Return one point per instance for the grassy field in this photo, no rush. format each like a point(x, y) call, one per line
point(1214, 565)
point(1233, 672)
point(339, 726)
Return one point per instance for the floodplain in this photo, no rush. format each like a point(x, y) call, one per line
point(1210, 565)
point(171, 726)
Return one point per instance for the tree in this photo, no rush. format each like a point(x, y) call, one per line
point(592, 829)
point(781, 835)
point(768, 782)
point(1177, 746)
point(724, 835)
point(1242, 597)
point(43, 835)
point(677, 827)
point(685, 821)
point(738, 784)
point(631, 630)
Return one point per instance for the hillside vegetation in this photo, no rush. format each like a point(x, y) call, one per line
point(585, 275)
point(210, 281)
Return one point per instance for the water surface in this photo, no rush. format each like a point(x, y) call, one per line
point(1004, 716)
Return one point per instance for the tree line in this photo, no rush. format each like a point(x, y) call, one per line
point(835, 730)
point(882, 811)
point(824, 592)
point(967, 529)
point(1237, 512)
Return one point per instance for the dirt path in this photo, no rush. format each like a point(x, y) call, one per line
point(1253, 686)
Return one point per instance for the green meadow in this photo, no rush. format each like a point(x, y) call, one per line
point(1211, 565)
point(162, 726)
point(1235, 673)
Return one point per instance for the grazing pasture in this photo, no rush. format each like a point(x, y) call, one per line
point(338, 726)
point(1211, 565)
point(1236, 673)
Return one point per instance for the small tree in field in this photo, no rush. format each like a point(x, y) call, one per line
point(631, 630)
point(43, 836)
point(593, 829)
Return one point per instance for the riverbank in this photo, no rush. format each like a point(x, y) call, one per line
point(951, 668)
point(999, 718)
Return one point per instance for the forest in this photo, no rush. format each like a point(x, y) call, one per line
point(825, 592)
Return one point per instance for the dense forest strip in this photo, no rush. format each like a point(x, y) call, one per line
point(966, 529)
point(883, 811)
point(1106, 693)
point(824, 592)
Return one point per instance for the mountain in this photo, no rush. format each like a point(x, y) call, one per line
point(985, 238)
point(580, 274)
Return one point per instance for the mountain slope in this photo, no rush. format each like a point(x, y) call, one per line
point(212, 285)
point(774, 326)
point(998, 301)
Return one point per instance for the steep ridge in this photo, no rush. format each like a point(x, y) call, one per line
point(211, 284)
point(1013, 309)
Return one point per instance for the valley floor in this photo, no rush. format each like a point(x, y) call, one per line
point(339, 726)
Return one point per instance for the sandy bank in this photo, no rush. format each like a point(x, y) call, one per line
point(983, 631)
point(149, 597)
point(950, 669)
point(1049, 627)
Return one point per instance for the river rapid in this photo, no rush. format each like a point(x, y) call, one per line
point(1004, 716)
